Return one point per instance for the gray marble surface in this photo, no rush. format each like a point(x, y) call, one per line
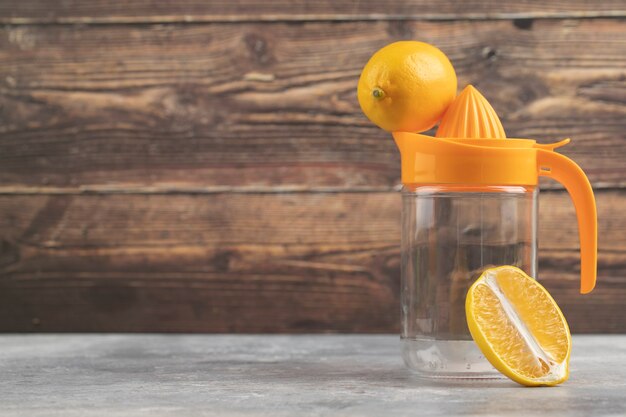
point(322, 375)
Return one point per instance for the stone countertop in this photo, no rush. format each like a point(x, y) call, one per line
point(319, 375)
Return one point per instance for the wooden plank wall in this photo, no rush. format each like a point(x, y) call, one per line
point(204, 166)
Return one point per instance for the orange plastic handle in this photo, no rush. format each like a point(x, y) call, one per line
point(567, 172)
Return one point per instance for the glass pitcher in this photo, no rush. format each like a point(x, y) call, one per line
point(468, 205)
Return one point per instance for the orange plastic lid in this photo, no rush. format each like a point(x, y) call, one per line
point(428, 160)
point(479, 154)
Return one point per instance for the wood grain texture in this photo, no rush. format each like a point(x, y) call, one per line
point(101, 11)
point(204, 166)
point(252, 262)
point(272, 106)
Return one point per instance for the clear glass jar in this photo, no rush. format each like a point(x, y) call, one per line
point(450, 234)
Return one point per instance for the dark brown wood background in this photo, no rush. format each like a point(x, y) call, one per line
point(204, 166)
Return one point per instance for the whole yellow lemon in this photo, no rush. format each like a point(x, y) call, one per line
point(407, 86)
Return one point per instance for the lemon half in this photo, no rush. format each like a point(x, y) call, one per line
point(519, 327)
